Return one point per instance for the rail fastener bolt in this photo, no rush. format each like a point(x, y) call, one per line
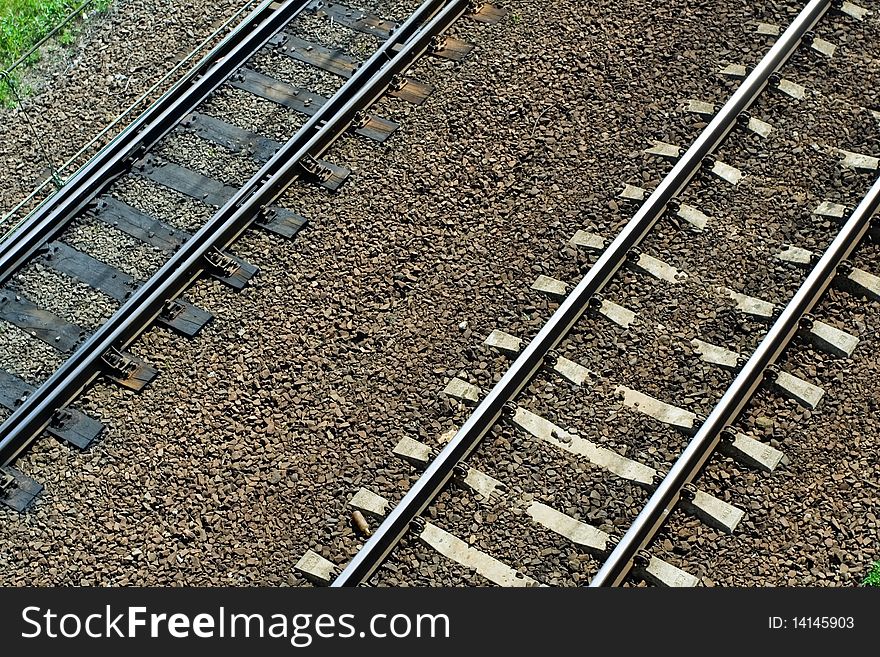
point(398, 82)
point(806, 322)
point(771, 372)
point(509, 409)
point(417, 525)
point(360, 119)
point(689, 492)
point(642, 558)
point(7, 483)
point(60, 418)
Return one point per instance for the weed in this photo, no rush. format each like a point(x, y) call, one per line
point(873, 577)
point(23, 23)
point(66, 37)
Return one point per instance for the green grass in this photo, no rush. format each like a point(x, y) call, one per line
point(873, 578)
point(24, 22)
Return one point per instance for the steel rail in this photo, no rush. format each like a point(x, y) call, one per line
point(369, 82)
point(440, 470)
point(116, 157)
point(4, 231)
point(700, 448)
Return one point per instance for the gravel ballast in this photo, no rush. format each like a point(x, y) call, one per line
point(117, 58)
point(245, 451)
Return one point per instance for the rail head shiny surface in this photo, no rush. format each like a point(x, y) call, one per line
point(738, 394)
point(439, 471)
point(372, 78)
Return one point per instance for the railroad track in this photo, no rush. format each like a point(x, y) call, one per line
point(616, 544)
point(48, 268)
